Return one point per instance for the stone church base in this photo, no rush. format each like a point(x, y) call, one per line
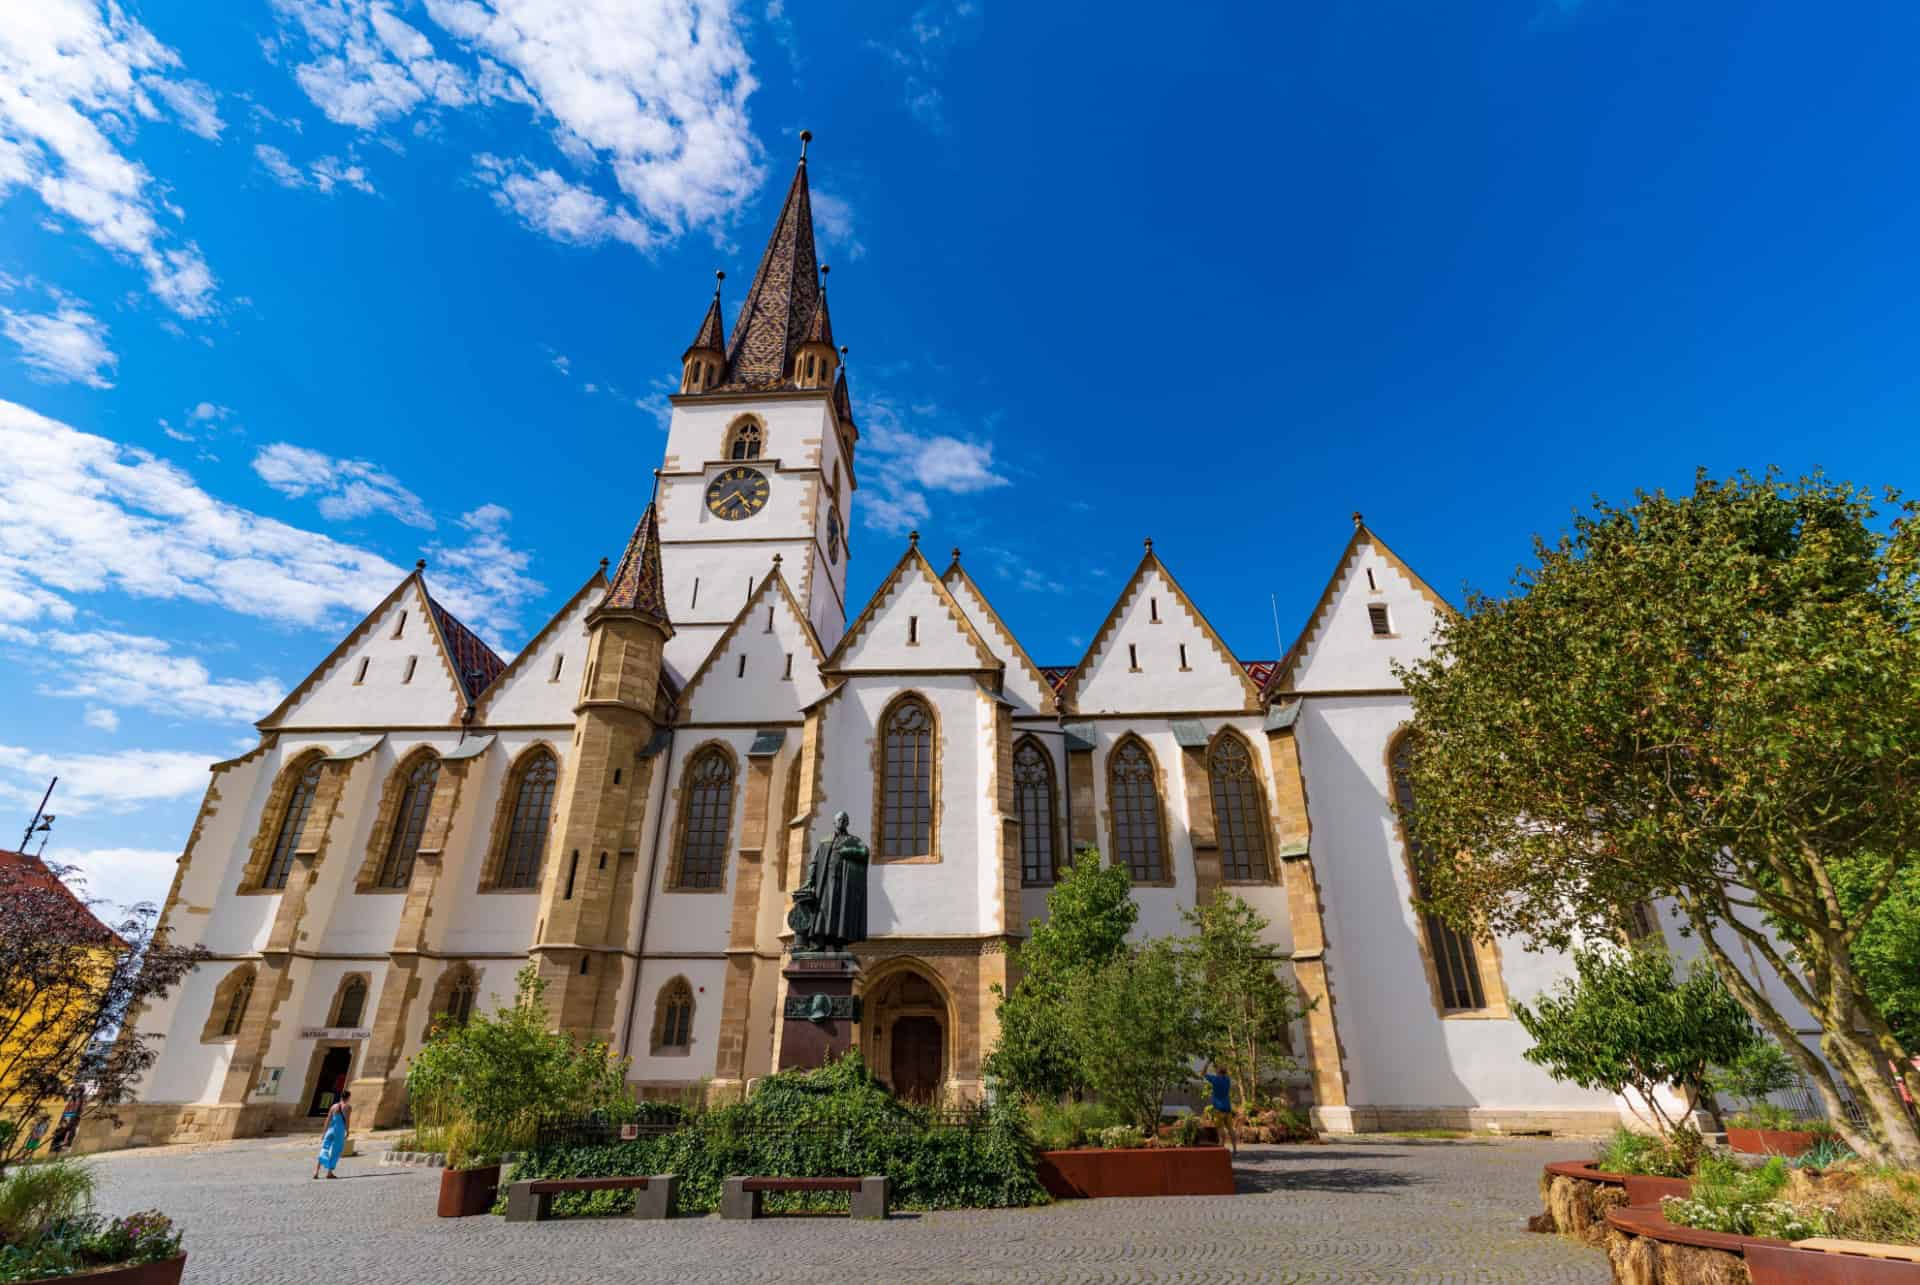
point(1560, 1121)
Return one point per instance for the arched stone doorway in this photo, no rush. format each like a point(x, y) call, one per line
point(905, 1024)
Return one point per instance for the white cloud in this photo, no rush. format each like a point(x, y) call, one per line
point(95, 782)
point(207, 410)
point(119, 878)
point(562, 363)
point(485, 580)
point(323, 175)
point(835, 218)
point(82, 514)
point(347, 488)
point(919, 54)
point(132, 670)
point(903, 465)
point(67, 345)
point(75, 78)
point(645, 99)
point(104, 719)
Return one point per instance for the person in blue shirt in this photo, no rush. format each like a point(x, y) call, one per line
point(1221, 1105)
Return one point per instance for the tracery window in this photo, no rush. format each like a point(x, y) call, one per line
point(292, 822)
point(673, 1018)
point(747, 442)
point(1239, 811)
point(706, 813)
point(353, 1003)
point(1456, 963)
point(1139, 842)
point(906, 779)
point(526, 840)
point(237, 1000)
point(1034, 804)
point(460, 997)
point(409, 825)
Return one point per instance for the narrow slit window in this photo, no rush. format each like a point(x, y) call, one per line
point(400, 625)
point(1183, 655)
point(741, 672)
point(769, 628)
point(407, 677)
point(1371, 586)
point(616, 776)
point(361, 676)
point(1377, 617)
point(788, 672)
point(1133, 656)
point(695, 600)
point(913, 631)
point(1153, 610)
point(584, 961)
point(573, 868)
point(558, 661)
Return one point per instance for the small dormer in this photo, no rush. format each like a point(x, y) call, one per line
point(815, 361)
point(705, 361)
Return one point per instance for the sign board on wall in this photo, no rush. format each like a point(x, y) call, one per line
point(269, 1085)
point(336, 1033)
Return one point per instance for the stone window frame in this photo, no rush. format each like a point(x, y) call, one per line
point(937, 743)
point(682, 806)
point(443, 989)
point(500, 835)
point(1262, 811)
point(1486, 951)
point(1159, 775)
point(273, 816)
point(733, 434)
point(334, 1015)
point(1021, 742)
point(391, 795)
point(676, 988)
point(227, 993)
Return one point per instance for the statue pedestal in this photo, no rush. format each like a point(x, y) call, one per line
point(821, 1010)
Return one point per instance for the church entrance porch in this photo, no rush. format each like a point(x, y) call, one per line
point(332, 1064)
point(905, 1018)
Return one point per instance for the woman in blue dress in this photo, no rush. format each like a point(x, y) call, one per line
point(334, 1140)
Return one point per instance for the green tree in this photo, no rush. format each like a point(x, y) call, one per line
point(1090, 911)
point(1246, 1003)
point(1713, 697)
point(1623, 1022)
point(1135, 1025)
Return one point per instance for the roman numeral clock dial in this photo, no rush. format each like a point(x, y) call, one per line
point(737, 493)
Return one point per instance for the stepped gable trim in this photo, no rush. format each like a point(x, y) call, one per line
point(774, 578)
point(354, 635)
point(474, 665)
point(598, 580)
point(1149, 562)
point(1281, 680)
point(915, 559)
point(1049, 702)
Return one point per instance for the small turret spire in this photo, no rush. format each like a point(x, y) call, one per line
point(638, 586)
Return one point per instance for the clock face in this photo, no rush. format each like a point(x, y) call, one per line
point(833, 535)
point(737, 493)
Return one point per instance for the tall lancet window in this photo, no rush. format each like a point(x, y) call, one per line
point(906, 780)
point(1456, 964)
point(706, 818)
point(292, 822)
point(409, 825)
point(1139, 838)
point(1033, 803)
point(1239, 811)
point(527, 828)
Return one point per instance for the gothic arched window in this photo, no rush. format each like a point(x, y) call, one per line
point(1033, 803)
point(1139, 841)
point(747, 442)
point(906, 779)
point(409, 825)
point(353, 1003)
point(706, 820)
point(526, 839)
point(1456, 964)
point(673, 1018)
point(230, 1000)
point(1239, 810)
point(292, 822)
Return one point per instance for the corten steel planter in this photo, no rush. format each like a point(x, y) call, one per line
point(1770, 1142)
point(466, 1192)
point(166, 1272)
point(1137, 1171)
point(1768, 1261)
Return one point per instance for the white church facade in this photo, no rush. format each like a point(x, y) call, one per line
point(628, 802)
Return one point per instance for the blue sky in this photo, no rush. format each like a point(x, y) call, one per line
point(293, 293)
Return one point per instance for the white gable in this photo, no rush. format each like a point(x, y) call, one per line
point(1342, 652)
point(543, 684)
point(762, 668)
point(390, 674)
point(1022, 685)
point(913, 627)
point(1157, 657)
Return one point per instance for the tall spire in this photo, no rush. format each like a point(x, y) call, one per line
point(637, 586)
point(713, 327)
point(784, 295)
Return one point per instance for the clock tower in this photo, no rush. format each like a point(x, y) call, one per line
point(759, 457)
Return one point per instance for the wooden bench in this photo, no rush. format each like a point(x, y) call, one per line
point(740, 1197)
point(532, 1202)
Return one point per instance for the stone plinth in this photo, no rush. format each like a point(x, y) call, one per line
point(822, 1012)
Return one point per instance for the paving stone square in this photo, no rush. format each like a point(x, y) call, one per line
point(1356, 1209)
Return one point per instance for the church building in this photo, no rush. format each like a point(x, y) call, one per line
point(629, 802)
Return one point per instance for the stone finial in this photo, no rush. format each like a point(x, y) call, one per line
point(824, 270)
point(1357, 519)
point(1149, 544)
point(956, 554)
point(806, 136)
point(913, 539)
point(420, 564)
point(776, 559)
point(603, 566)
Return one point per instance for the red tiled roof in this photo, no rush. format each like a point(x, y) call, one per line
point(18, 872)
point(1258, 670)
point(473, 661)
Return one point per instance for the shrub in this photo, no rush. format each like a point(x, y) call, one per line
point(1135, 1025)
point(1774, 1218)
point(1121, 1137)
point(1825, 1153)
point(838, 1121)
point(1061, 1126)
point(1247, 1003)
point(1766, 1115)
point(1627, 1151)
point(1761, 1068)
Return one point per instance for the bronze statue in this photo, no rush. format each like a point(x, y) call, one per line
point(830, 907)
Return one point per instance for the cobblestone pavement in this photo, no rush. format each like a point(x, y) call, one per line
point(1367, 1209)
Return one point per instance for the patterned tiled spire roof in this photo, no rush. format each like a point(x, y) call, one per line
point(713, 329)
point(637, 585)
point(842, 401)
point(820, 328)
point(783, 298)
point(474, 663)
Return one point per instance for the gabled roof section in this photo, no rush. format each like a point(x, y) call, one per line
point(1363, 541)
point(912, 570)
point(965, 589)
point(772, 592)
point(1151, 566)
point(783, 298)
point(414, 584)
point(474, 664)
point(524, 657)
point(637, 586)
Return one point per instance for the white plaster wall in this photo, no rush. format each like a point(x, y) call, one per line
point(1020, 685)
point(767, 638)
point(186, 1070)
point(884, 641)
point(1342, 653)
point(1109, 685)
point(384, 698)
point(531, 692)
point(708, 978)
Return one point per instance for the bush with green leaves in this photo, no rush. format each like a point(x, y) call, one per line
point(1062, 1126)
point(838, 1121)
point(48, 1228)
point(1136, 1024)
point(1630, 1151)
point(1247, 1003)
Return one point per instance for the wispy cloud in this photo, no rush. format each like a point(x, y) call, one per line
point(484, 581)
point(94, 782)
point(322, 175)
point(135, 671)
point(104, 719)
point(78, 77)
point(67, 345)
point(835, 219)
point(919, 53)
point(904, 464)
point(347, 489)
point(646, 102)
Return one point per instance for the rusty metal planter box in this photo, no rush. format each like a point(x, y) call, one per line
point(1137, 1171)
point(466, 1192)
